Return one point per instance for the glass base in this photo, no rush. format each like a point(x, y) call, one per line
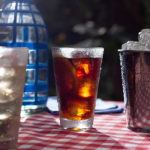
point(8, 143)
point(31, 110)
point(139, 129)
point(76, 124)
point(5, 138)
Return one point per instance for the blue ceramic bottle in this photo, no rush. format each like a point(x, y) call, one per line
point(21, 25)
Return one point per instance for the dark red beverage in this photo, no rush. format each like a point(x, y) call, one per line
point(77, 82)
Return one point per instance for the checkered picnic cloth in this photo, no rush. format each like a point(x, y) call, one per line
point(139, 111)
point(109, 132)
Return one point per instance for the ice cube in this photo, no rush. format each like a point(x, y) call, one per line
point(7, 95)
point(6, 73)
point(14, 83)
point(4, 84)
point(86, 87)
point(144, 37)
point(4, 116)
point(5, 121)
point(78, 107)
point(76, 62)
point(9, 59)
point(134, 45)
point(13, 96)
point(80, 72)
point(82, 66)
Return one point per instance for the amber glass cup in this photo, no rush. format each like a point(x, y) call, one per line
point(77, 73)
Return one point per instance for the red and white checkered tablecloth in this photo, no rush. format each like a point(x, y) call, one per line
point(109, 132)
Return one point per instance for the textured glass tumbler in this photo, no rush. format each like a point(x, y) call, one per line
point(135, 69)
point(13, 63)
point(77, 72)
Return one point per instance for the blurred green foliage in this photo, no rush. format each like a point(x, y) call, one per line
point(95, 23)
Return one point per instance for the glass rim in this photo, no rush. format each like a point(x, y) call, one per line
point(131, 50)
point(77, 48)
point(11, 48)
point(78, 52)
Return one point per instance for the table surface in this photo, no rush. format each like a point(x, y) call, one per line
point(42, 132)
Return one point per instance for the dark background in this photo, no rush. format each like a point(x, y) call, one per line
point(95, 23)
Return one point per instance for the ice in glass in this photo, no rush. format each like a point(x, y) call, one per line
point(12, 78)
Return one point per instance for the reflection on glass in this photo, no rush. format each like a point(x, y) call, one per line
point(31, 57)
point(6, 17)
point(43, 93)
point(42, 75)
point(38, 19)
point(28, 97)
point(30, 76)
point(25, 34)
point(23, 6)
point(24, 18)
point(6, 33)
point(29, 94)
point(42, 56)
point(42, 34)
point(33, 7)
point(11, 6)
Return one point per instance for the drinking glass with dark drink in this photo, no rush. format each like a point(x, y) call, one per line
point(77, 72)
point(135, 71)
